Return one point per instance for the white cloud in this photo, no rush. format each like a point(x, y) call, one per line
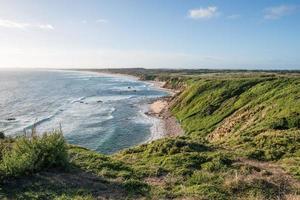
point(19, 25)
point(277, 12)
point(204, 13)
point(102, 21)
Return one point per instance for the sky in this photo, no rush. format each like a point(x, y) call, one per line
point(235, 34)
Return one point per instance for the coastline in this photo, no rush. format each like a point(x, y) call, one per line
point(160, 109)
point(164, 124)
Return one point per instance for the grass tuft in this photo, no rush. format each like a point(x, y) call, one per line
point(35, 153)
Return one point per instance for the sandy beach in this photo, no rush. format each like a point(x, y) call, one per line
point(168, 126)
point(160, 86)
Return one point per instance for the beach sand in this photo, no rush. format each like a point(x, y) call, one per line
point(157, 106)
point(169, 125)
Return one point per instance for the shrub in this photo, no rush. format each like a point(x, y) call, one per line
point(255, 154)
point(134, 186)
point(254, 188)
point(35, 153)
point(280, 124)
point(293, 121)
point(217, 163)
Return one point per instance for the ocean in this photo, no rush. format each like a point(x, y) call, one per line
point(102, 112)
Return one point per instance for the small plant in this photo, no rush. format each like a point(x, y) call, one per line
point(134, 186)
point(34, 153)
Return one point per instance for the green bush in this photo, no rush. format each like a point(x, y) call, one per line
point(284, 123)
point(134, 186)
point(218, 162)
point(32, 154)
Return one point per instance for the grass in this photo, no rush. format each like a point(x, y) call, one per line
point(27, 155)
point(242, 141)
point(46, 167)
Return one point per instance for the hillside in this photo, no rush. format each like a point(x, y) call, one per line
point(242, 141)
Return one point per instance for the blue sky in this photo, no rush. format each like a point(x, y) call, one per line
point(258, 34)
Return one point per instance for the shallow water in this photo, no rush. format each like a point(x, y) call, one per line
point(100, 112)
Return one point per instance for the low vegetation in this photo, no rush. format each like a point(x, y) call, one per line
point(242, 141)
point(27, 155)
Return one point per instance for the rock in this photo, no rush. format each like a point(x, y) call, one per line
point(11, 119)
point(129, 87)
point(99, 101)
point(2, 136)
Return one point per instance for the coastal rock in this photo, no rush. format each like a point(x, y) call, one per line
point(11, 119)
point(2, 135)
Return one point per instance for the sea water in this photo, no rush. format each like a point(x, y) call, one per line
point(98, 111)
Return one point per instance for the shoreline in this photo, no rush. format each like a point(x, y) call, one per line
point(159, 108)
point(164, 124)
point(169, 125)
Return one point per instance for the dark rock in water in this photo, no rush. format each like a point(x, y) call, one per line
point(134, 90)
point(2, 136)
point(81, 102)
point(11, 119)
point(99, 101)
point(129, 87)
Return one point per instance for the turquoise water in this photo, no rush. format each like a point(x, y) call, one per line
point(100, 112)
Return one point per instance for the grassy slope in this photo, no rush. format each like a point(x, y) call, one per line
point(229, 119)
point(247, 113)
point(237, 119)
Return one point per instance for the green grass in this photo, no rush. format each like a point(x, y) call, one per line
point(255, 114)
point(241, 131)
point(27, 155)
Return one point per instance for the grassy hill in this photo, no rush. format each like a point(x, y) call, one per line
point(242, 139)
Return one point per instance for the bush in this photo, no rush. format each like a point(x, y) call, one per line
point(134, 186)
point(32, 154)
point(255, 188)
point(219, 162)
point(284, 123)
